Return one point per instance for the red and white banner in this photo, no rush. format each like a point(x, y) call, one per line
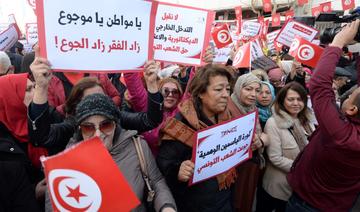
point(264, 29)
point(31, 33)
point(221, 36)
point(238, 13)
point(293, 28)
point(242, 57)
point(315, 11)
point(275, 20)
point(289, 14)
point(302, 2)
point(9, 36)
point(305, 52)
point(347, 4)
point(267, 6)
point(278, 46)
point(219, 148)
point(78, 182)
point(326, 7)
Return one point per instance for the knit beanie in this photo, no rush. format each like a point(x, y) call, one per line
point(96, 104)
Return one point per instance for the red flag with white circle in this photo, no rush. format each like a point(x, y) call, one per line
point(289, 14)
point(347, 4)
point(267, 6)
point(242, 57)
point(79, 182)
point(326, 7)
point(315, 11)
point(238, 13)
point(305, 52)
point(275, 20)
point(221, 36)
point(302, 2)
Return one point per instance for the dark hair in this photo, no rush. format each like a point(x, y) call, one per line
point(26, 62)
point(77, 93)
point(201, 80)
point(280, 99)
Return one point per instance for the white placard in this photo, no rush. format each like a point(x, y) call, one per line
point(8, 37)
point(250, 28)
point(31, 33)
point(222, 147)
point(221, 55)
point(92, 36)
point(181, 33)
point(291, 29)
point(270, 37)
point(256, 50)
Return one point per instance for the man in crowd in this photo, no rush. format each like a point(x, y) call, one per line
point(325, 177)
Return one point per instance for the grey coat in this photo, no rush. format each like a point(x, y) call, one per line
point(124, 154)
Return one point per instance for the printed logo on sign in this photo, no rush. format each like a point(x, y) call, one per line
point(294, 45)
point(74, 191)
point(306, 52)
point(238, 57)
point(223, 36)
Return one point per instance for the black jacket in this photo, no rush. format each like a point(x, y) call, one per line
point(16, 193)
point(47, 131)
point(203, 196)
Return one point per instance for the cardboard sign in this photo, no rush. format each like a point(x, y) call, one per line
point(219, 148)
point(181, 33)
point(263, 63)
point(77, 182)
point(8, 37)
point(293, 28)
point(31, 33)
point(96, 37)
point(250, 28)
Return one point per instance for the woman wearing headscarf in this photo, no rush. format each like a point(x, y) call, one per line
point(209, 89)
point(243, 101)
point(264, 100)
point(97, 115)
point(20, 164)
point(277, 78)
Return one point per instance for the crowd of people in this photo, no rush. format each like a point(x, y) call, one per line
point(305, 149)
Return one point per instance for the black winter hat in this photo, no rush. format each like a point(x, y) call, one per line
point(96, 104)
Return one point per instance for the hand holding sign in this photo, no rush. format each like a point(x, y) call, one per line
point(40, 69)
point(150, 75)
point(186, 171)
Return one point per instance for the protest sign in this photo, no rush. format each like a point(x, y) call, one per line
point(77, 182)
point(293, 28)
point(181, 33)
point(31, 33)
point(270, 37)
point(263, 63)
point(256, 50)
point(305, 52)
point(8, 37)
point(32, 4)
point(250, 28)
point(222, 147)
point(221, 55)
point(96, 37)
point(4, 26)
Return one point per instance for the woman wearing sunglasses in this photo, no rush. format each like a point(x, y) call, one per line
point(97, 115)
point(170, 90)
point(209, 89)
point(47, 128)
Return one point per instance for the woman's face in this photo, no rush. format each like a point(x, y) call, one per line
point(264, 97)
point(248, 94)
point(29, 92)
point(93, 90)
point(100, 126)
point(214, 100)
point(293, 103)
point(171, 95)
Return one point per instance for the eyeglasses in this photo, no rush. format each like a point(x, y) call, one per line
point(174, 92)
point(89, 129)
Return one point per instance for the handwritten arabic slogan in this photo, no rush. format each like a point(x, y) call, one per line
point(181, 34)
point(222, 147)
point(31, 33)
point(96, 37)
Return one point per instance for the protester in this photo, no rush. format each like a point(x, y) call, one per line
point(288, 129)
point(209, 89)
point(5, 64)
point(277, 78)
point(264, 100)
point(97, 115)
point(261, 74)
point(325, 176)
point(243, 101)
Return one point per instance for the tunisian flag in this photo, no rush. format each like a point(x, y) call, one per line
point(221, 36)
point(238, 13)
point(326, 7)
point(78, 181)
point(289, 14)
point(275, 19)
point(315, 11)
point(242, 58)
point(348, 4)
point(267, 5)
point(305, 52)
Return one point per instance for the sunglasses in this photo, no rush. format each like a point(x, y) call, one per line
point(174, 92)
point(89, 129)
